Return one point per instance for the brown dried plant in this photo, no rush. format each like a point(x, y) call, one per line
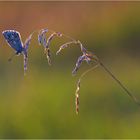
point(88, 57)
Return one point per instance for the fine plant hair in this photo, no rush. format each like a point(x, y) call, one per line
point(86, 56)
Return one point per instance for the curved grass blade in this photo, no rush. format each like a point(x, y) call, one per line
point(58, 34)
point(42, 37)
point(65, 46)
point(83, 50)
point(25, 52)
point(27, 42)
point(47, 49)
point(48, 55)
point(79, 62)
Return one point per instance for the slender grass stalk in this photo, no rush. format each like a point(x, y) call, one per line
point(120, 83)
point(67, 36)
point(88, 57)
point(78, 87)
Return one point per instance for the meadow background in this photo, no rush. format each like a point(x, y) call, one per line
point(42, 103)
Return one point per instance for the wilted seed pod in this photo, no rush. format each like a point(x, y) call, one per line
point(78, 63)
point(83, 50)
point(25, 51)
point(42, 37)
point(27, 42)
point(77, 96)
point(47, 49)
point(59, 34)
point(25, 57)
point(61, 48)
point(91, 56)
point(51, 37)
point(48, 55)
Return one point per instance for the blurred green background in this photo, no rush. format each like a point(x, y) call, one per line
point(41, 104)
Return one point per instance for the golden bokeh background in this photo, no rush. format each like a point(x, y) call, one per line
point(41, 104)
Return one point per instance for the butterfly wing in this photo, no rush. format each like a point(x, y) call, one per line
point(13, 39)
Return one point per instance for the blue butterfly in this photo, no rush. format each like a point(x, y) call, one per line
point(13, 39)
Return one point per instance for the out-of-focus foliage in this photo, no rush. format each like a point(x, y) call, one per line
point(41, 104)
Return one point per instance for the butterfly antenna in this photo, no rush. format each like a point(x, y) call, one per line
point(10, 59)
point(119, 82)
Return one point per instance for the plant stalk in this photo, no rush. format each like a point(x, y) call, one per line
point(119, 82)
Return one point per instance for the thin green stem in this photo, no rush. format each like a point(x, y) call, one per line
point(87, 71)
point(119, 82)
